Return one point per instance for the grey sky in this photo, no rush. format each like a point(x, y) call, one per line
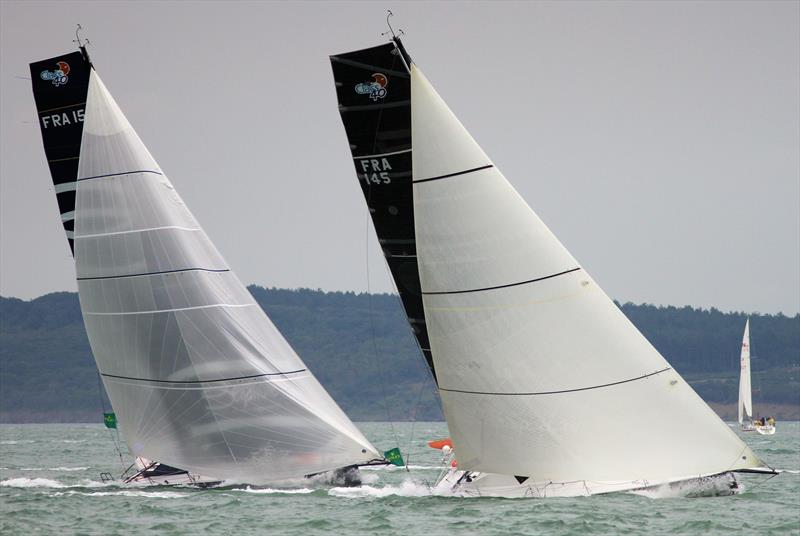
point(659, 141)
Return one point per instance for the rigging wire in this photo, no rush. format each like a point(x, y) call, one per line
point(111, 435)
point(376, 359)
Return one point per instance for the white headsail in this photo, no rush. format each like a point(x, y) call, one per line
point(198, 376)
point(540, 373)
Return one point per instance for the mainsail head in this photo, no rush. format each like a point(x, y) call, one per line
point(539, 372)
point(197, 374)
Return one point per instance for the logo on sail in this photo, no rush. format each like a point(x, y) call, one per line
point(57, 76)
point(376, 89)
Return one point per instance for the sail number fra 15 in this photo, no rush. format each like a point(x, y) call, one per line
point(375, 170)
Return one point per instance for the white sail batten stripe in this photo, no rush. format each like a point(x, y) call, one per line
point(381, 154)
point(67, 216)
point(577, 389)
point(178, 227)
point(70, 235)
point(65, 187)
point(213, 305)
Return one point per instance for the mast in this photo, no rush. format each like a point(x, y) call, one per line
point(198, 375)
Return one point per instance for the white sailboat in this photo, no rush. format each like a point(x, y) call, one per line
point(745, 396)
point(547, 388)
point(204, 386)
point(764, 426)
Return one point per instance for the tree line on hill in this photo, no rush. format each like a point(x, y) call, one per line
point(360, 348)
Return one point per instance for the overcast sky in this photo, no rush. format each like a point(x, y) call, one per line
point(659, 141)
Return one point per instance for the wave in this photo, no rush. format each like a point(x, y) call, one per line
point(54, 468)
point(396, 468)
point(268, 491)
point(23, 482)
point(407, 488)
point(16, 441)
point(126, 493)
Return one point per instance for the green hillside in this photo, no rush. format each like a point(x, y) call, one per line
point(360, 347)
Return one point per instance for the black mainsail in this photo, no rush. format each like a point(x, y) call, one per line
point(373, 88)
point(60, 86)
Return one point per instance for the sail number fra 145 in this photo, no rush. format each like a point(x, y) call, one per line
point(375, 170)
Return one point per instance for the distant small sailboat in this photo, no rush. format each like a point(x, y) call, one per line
point(205, 387)
point(766, 425)
point(547, 388)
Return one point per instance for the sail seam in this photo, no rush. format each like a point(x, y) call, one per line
point(153, 273)
point(434, 293)
point(381, 154)
point(154, 311)
point(118, 174)
point(95, 235)
point(487, 166)
point(61, 107)
point(557, 392)
point(204, 381)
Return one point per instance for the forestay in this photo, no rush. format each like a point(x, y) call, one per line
point(197, 374)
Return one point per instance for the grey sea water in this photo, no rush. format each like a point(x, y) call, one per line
point(50, 484)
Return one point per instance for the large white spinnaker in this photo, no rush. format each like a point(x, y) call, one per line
point(199, 377)
point(745, 390)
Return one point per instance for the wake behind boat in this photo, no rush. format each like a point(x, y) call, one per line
point(204, 386)
point(547, 388)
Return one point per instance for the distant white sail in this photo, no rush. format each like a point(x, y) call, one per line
point(199, 377)
point(745, 391)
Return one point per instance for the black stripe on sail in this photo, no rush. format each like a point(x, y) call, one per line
point(143, 274)
point(501, 286)
point(556, 392)
point(120, 173)
point(456, 174)
point(203, 381)
point(60, 87)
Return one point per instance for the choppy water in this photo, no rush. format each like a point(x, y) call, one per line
point(49, 483)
